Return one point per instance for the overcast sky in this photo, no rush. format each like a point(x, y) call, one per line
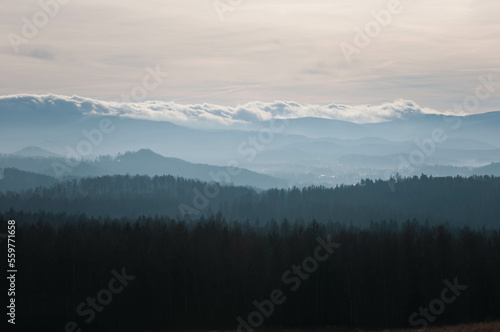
point(432, 52)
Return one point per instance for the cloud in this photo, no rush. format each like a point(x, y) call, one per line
point(267, 50)
point(204, 114)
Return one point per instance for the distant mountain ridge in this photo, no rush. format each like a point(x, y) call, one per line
point(142, 162)
point(309, 149)
point(34, 151)
point(13, 179)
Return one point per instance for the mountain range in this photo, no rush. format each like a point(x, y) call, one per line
point(39, 166)
point(301, 150)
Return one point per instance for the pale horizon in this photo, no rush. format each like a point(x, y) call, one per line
point(431, 53)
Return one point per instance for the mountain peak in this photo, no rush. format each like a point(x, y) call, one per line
point(142, 154)
point(35, 151)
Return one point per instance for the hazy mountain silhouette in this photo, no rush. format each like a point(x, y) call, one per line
point(306, 150)
point(492, 169)
point(34, 151)
point(142, 162)
point(147, 162)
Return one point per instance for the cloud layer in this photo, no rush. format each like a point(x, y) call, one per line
point(204, 114)
point(431, 53)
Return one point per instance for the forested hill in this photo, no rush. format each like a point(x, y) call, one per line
point(143, 162)
point(472, 201)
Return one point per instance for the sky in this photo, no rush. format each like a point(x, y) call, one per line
point(234, 52)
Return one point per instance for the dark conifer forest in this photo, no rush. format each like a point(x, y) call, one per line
point(459, 201)
point(371, 255)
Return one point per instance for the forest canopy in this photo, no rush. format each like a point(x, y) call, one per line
point(471, 201)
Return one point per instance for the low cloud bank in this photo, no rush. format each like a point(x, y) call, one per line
point(58, 105)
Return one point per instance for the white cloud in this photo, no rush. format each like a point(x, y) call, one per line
point(205, 114)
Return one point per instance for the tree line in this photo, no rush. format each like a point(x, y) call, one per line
point(459, 200)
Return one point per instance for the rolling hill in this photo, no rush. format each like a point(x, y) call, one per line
point(142, 162)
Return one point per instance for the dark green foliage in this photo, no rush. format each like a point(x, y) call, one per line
point(460, 201)
point(12, 179)
point(204, 274)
